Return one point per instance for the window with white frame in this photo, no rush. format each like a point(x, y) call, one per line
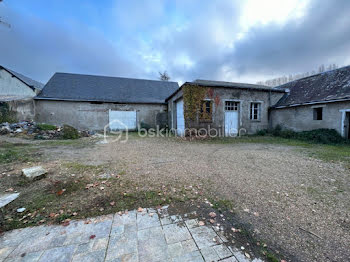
point(231, 106)
point(255, 111)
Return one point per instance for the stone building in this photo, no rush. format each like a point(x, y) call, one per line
point(318, 101)
point(17, 92)
point(93, 102)
point(315, 102)
point(229, 108)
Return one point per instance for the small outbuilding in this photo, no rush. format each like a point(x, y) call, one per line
point(16, 95)
point(314, 102)
point(94, 102)
point(221, 108)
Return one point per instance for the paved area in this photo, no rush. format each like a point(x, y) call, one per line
point(149, 235)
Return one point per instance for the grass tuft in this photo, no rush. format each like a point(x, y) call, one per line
point(46, 127)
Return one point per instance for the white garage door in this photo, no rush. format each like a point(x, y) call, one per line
point(180, 120)
point(122, 120)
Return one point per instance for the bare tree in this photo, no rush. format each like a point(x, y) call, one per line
point(164, 76)
point(284, 79)
point(3, 22)
point(321, 69)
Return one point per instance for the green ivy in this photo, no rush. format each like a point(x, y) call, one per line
point(193, 96)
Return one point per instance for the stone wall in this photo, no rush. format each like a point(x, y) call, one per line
point(11, 86)
point(244, 96)
point(92, 116)
point(301, 118)
point(17, 110)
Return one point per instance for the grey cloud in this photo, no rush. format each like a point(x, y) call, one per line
point(38, 49)
point(201, 30)
point(322, 36)
point(199, 40)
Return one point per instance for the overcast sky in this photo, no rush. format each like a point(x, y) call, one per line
point(242, 41)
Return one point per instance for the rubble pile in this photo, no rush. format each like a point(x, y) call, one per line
point(36, 130)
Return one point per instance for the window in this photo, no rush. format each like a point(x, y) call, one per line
point(318, 113)
point(206, 111)
point(255, 111)
point(231, 106)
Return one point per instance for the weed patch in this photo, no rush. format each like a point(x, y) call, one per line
point(318, 136)
point(80, 168)
point(11, 156)
point(222, 204)
point(70, 132)
point(46, 127)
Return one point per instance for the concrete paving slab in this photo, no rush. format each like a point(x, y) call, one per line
point(95, 256)
point(5, 199)
point(176, 233)
point(147, 220)
point(170, 220)
point(58, 254)
point(129, 237)
point(205, 236)
point(28, 257)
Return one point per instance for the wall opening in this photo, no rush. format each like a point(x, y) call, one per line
point(347, 121)
point(318, 113)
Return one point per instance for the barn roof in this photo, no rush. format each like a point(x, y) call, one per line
point(212, 83)
point(77, 87)
point(233, 85)
point(28, 81)
point(329, 86)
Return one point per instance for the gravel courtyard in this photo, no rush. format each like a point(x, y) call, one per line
point(281, 191)
point(295, 203)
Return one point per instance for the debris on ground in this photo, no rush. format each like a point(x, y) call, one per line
point(36, 172)
point(7, 198)
point(42, 131)
point(21, 210)
point(212, 214)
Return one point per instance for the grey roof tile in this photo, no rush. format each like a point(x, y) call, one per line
point(234, 85)
point(324, 87)
point(77, 87)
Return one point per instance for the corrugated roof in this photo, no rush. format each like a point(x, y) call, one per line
point(325, 87)
point(77, 87)
point(28, 81)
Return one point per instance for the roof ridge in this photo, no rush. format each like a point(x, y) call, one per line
point(120, 77)
point(219, 81)
point(306, 77)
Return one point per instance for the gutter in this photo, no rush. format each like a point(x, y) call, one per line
point(230, 87)
point(99, 101)
point(312, 103)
